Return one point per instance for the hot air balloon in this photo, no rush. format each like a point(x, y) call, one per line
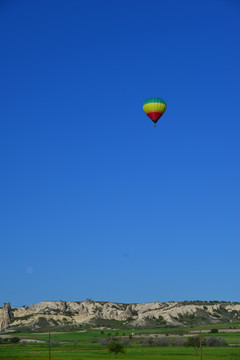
point(154, 108)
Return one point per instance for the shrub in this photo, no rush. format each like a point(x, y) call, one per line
point(125, 342)
point(106, 341)
point(214, 341)
point(193, 341)
point(162, 341)
point(179, 341)
point(214, 331)
point(145, 341)
point(14, 340)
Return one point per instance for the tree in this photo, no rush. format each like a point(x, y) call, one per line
point(116, 348)
point(193, 341)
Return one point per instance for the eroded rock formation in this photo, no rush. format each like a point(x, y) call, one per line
point(6, 316)
point(64, 313)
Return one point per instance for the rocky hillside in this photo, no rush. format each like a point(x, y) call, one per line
point(97, 313)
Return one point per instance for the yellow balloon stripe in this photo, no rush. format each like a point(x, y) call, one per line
point(154, 107)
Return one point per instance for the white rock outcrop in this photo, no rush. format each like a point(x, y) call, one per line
point(62, 313)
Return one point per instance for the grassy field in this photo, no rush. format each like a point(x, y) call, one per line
point(68, 351)
point(92, 336)
point(85, 345)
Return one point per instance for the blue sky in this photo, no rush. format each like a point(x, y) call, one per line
point(95, 201)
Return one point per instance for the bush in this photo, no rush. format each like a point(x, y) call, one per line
point(124, 342)
point(162, 341)
point(214, 341)
point(14, 340)
point(214, 331)
point(146, 341)
point(11, 340)
point(193, 341)
point(179, 341)
point(181, 332)
point(107, 341)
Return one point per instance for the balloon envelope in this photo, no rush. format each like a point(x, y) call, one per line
point(154, 108)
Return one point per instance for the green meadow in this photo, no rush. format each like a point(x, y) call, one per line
point(94, 352)
point(83, 345)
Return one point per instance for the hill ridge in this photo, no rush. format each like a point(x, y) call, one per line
point(106, 313)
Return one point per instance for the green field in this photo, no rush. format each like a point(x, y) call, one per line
point(85, 345)
point(67, 351)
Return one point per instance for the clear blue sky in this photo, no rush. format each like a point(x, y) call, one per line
point(95, 202)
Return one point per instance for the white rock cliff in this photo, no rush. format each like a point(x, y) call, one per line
point(65, 313)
